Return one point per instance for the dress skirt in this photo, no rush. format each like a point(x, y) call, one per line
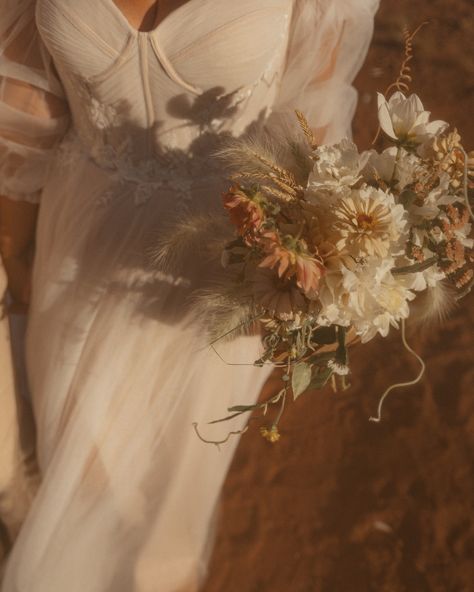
point(120, 368)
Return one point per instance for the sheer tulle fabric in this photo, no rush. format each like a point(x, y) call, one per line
point(327, 44)
point(118, 363)
point(32, 110)
point(18, 474)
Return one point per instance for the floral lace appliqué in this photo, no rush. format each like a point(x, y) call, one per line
point(176, 171)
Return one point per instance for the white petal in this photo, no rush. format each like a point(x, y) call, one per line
point(416, 102)
point(436, 127)
point(404, 118)
point(396, 98)
point(418, 282)
point(384, 116)
point(422, 118)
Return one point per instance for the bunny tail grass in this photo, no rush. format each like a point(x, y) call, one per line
point(250, 154)
point(204, 235)
point(224, 312)
point(434, 304)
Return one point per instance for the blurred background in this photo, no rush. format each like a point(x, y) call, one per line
point(341, 504)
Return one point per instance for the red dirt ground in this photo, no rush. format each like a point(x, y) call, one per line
point(341, 504)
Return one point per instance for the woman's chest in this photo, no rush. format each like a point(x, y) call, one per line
point(145, 15)
point(205, 43)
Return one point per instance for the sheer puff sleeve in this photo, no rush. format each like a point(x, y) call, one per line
point(327, 45)
point(33, 109)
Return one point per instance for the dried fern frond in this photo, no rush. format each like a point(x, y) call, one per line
point(201, 235)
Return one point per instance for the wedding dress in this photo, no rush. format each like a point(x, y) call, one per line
point(114, 130)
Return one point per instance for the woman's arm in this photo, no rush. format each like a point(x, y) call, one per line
point(327, 45)
point(18, 217)
point(34, 116)
point(17, 235)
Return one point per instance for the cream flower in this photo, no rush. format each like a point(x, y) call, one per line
point(376, 298)
point(422, 280)
point(337, 166)
point(439, 196)
point(380, 165)
point(368, 222)
point(369, 297)
point(405, 119)
point(338, 368)
point(272, 434)
point(400, 169)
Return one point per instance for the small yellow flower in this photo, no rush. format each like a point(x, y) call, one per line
point(272, 434)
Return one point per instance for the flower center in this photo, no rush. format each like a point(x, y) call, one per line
point(366, 221)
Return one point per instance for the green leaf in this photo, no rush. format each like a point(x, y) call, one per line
point(242, 408)
point(321, 378)
point(228, 418)
point(300, 378)
point(415, 267)
point(325, 335)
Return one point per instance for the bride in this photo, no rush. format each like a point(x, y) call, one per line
point(110, 112)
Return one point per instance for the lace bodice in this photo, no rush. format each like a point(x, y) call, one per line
point(145, 104)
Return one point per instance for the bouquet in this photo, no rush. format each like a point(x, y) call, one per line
point(333, 246)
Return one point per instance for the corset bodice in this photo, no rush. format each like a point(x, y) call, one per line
point(202, 74)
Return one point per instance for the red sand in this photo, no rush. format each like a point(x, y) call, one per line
point(341, 504)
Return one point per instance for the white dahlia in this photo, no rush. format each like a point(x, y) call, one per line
point(337, 166)
point(368, 297)
point(368, 222)
point(395, 168)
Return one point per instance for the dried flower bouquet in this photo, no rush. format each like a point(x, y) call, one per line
point(333, 245)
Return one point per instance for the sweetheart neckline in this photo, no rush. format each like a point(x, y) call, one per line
point(152, 32)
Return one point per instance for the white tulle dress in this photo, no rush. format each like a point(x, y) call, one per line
point(114, 131)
